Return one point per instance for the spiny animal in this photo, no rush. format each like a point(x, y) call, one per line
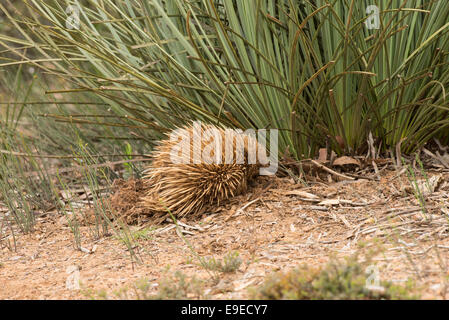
point(197, 167)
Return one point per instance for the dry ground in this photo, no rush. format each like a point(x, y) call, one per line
point(278, 226)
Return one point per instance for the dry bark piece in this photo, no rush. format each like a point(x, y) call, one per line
point(343, 161)
point(322, 155)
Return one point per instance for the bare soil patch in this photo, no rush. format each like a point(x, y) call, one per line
point(277, 226)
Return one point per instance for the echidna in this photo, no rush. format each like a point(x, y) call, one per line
point(197, 167)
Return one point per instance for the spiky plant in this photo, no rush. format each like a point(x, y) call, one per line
point(311, 68)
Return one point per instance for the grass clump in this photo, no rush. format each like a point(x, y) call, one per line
point(177, 287)
point(230, 263)
point(420, 188)
point(312, 69)
point(337, 280)
point(144, 234)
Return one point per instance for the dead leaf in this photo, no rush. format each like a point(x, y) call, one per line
point(322, 155)
point(340, 141)
point(329, 202)
point(301, 194)
point(429, 186)
point(342, 161)
point(85, 250)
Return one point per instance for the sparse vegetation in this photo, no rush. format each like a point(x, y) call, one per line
point(141, 234)
point(230, 263)
point(179, 286)
point(420, 188)
point(176, 286)
point(337, 280)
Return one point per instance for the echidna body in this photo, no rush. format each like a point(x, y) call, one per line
point(199, 166)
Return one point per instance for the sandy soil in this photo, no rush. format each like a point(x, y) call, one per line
point(277, 226)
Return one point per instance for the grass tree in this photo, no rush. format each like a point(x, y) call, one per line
point(317, 70)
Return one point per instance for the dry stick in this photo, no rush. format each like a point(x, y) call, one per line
point(398, 153)
point(371, 149)
point(376, 170)
point(239, 211)
point(440, 159)
point(331, 171)
point(363, 177)
point(247, 205)
point(400, 173)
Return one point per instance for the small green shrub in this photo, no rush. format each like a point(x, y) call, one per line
point(230, 263)
point(144, 234)
point(178, 287)
point(337, 280)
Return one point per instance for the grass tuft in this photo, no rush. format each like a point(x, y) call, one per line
point(229, 264)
